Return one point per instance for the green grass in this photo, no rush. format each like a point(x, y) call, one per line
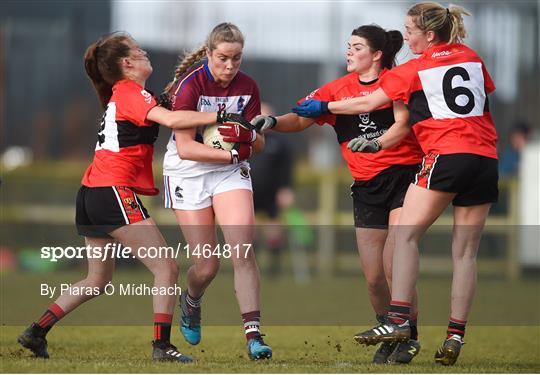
point(317, 349)
point(333, 301)
point(310, 327)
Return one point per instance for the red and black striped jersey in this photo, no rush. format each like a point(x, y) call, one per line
point(124, 150)
point(364, 166)
point(446, 91)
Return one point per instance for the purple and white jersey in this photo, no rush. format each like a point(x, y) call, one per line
point(197, 91)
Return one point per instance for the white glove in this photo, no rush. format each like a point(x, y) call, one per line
point(263, 123)
point(360, 144)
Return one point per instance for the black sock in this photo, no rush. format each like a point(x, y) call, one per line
point(414, 330)
point(456, 327)
point(400, 312)
point(414, 326)
point(162, 328)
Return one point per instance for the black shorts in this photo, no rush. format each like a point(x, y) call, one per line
point(374, 199)
point(473, 177)
point(100, 210)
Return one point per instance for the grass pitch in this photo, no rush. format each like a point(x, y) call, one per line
point(301, 349)
point(310, 328)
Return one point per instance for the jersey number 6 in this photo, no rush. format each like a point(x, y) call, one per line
point(451, 93)
point(455, 90)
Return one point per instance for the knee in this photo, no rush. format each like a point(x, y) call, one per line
point(174, 270)
point(408, 234)
point(464, 257)
point(376, 283)
point(207, 272)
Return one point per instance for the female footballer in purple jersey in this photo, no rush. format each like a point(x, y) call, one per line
point(204, 185)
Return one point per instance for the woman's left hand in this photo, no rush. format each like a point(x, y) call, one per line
point(311, 108)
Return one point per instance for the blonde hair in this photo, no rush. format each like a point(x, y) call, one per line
point(447, 23)
point(223, 33)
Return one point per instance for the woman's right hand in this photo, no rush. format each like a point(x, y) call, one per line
point(361, 144)
point(224, 117)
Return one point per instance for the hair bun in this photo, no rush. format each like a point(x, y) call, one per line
point(394, 40)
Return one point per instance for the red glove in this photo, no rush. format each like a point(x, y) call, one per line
point(240, 153)
point(237, 133)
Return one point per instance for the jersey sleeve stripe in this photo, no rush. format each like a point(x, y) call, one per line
point(189, 76)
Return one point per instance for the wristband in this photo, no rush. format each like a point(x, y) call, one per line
point(324, 107)
point(273, 123)
point(253, 136)
point(377, 143)
point(234, 156)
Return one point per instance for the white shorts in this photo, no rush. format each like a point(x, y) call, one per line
point(195, 193)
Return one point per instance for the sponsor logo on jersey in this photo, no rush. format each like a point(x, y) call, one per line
point(232, 104)
point(365, 123)
point(376, 134)
point(445, 53)
point(240, 104)
point(147, 96)
point(205, 102)
point(312, 94)
point(441, 54)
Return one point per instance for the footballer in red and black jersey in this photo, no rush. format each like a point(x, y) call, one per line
point(365, 166)
point(124, 150)
point(446, 92)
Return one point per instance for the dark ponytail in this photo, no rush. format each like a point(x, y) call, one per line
point(388, 42)
point(102, 63)
point(103, 89)
point(394, 42)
